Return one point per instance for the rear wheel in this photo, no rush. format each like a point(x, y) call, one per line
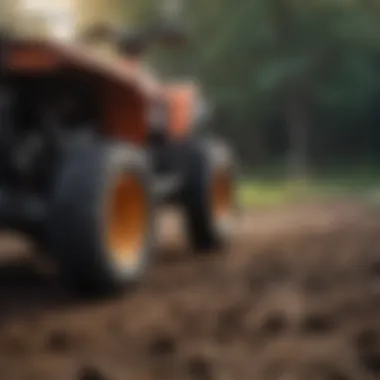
point(209, 193)
point(101, 222)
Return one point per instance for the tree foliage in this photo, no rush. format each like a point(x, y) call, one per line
point(296, 76)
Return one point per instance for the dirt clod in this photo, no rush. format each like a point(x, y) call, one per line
point(371, 362)
point(58, 341)
point(274, 323)
point(90, 373)
point(200, 369)
point(316, 323)
point(366, 341)
point(162, 345)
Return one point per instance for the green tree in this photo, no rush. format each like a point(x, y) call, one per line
point(305, 63)
point(290, 58)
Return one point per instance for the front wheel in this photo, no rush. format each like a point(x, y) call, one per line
point(209, 193)
point(100, 224)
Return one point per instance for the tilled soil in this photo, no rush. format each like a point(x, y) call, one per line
point(297, 296)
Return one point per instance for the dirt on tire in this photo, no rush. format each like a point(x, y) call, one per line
point(296, 297)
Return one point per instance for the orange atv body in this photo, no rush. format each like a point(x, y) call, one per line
point(126, 90)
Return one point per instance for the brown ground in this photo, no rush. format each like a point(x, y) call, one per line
point(297, 297)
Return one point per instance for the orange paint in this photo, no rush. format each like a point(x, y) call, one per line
point(125, 112)
point(33, 59)
point(125, 89)
point(182, 100)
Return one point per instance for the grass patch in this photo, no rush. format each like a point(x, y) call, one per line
point(273, 192)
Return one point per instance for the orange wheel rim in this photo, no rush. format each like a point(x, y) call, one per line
point(127, 220)
point(222, 193)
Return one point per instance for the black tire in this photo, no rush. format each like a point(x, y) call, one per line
point(203, 161)
point(77, 223)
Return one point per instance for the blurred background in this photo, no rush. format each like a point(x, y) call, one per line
point(295, 87)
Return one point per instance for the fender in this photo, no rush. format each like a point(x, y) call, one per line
point(183, 100)
point(125, 90)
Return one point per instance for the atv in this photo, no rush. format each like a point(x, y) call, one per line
point(92, 143)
